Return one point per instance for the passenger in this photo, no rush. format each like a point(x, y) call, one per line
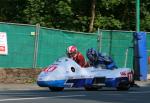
point(96, 59)
point(73, 53)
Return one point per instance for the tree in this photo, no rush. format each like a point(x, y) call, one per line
point(12, 11)
point(76, 15)
point(145, 15)
point(93, 4)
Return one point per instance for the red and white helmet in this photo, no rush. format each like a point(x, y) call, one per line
point(71, 49)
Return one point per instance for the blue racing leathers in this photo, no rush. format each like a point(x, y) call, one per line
point(104, 61)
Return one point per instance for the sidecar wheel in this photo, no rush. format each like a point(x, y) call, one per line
point(56, 89)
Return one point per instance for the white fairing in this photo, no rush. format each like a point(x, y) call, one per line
point(65, 68)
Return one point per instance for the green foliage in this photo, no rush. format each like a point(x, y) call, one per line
point(145, 23)
point(107, 22)
point(63, 8)
point(108, 4)
point(12, 10)
point(34, 11)
point(145, 15)
point(75, 14)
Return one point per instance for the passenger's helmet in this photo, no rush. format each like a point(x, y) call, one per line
point(71, 50)
point(92, 54)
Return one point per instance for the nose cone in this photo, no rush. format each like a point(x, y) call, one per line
point(53, 76)
point(52, 83)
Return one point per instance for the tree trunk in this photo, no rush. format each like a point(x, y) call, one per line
point(93, 3)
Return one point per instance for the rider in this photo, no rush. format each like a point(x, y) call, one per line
point(73, 53)
point(97, 59)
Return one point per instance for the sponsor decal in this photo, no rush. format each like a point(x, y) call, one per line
point(69, 85)
point(123, 74)
point(50, 68)
point(2, 48)
point(3, 43)
point(127, 74)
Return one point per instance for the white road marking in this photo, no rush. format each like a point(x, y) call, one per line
point(16, 93)
point(17, 99)
point(140, 92)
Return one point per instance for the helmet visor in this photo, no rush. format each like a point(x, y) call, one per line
point(71, 54)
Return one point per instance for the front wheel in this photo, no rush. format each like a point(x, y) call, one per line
point(56, 89)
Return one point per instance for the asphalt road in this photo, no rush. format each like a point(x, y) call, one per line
point(104, 95)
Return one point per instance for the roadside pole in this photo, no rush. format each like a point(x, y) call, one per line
point(36, 42)
point(140, 53)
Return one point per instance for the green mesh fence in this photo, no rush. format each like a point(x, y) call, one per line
point(116, 44)
point(148, 43)
point(20, 46)
point(52, 44)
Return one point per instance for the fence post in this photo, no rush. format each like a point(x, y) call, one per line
point(126, 58)
point(36, 45)
point(110, 43)
point(99, 40)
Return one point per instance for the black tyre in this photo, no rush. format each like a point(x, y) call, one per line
point(91, 88)
point(123, 86)
point(56, 89)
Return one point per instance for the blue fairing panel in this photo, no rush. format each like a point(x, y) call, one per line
point(55, 83)
point(89, 81)
point(109, 82)
point(80, 82)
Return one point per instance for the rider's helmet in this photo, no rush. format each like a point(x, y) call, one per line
point(92, 54)
point(71, 51)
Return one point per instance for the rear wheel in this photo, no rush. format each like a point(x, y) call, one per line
point(91, 88)
point(56, 89)
point(124, 86)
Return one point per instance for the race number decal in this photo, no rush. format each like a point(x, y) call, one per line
point(50, 68)
point(127, 74)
